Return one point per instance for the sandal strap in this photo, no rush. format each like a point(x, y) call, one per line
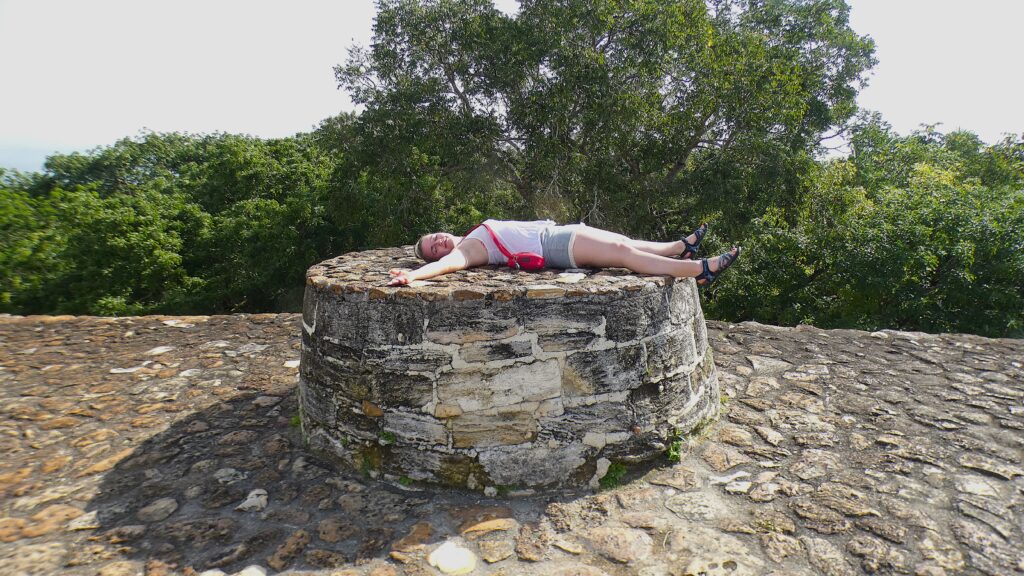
point(692, 249)
point(724, 261)
point(707, 275)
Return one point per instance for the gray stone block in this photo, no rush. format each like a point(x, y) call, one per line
point(392, 358)
point(318, 404)
point(493, 428)
point(488, 351)
point(369, 323)
point(470, 321)
point(575, 422)
point(480, 390)
point(533, 465)
point(669, 352)
point(413, 463)
point(598, 372)
point(415, 428)
point(636, 315)
point(566, 341)
point(685, 301)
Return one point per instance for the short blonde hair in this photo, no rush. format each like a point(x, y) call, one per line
point(418, 249)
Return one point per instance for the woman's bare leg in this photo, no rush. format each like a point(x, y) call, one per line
point(598, 248)
point(659, 248)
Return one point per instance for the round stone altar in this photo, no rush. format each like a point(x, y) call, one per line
point(501, 379)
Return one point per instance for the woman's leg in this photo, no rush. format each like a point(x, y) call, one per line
point(598, 248)
point(659, 248)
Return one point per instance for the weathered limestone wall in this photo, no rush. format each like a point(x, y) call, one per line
point(491, 378)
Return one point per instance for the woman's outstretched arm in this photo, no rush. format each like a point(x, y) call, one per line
point(456, 260)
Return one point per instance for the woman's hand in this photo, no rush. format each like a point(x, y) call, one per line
point(399, 277)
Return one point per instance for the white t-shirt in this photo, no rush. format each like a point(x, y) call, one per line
point(515, 235)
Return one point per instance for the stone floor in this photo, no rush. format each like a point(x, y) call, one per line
point(159, 445)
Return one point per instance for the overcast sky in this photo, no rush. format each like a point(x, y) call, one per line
point(81, 74)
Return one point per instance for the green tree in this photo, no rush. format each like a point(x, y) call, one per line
point(939, 253)
point(122, 252)
point(30, 243)
point(616, 112)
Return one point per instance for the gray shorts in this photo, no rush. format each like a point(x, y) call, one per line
point(556, 242)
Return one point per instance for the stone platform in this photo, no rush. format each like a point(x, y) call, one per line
point(494, 379)
point(170, 446)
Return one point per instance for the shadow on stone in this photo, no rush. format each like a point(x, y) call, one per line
point(232, 485)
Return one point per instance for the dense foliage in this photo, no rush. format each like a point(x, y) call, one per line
point(924, 232)
point(171, 223)
point(642, 116)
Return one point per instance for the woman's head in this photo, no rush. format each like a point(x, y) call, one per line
point(434, 246)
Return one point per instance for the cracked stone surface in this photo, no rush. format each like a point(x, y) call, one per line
point(131, 444)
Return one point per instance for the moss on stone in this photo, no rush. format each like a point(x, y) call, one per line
point(455, 470)
point(369, 458)
point(612, 478)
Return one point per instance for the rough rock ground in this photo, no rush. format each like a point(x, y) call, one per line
point(169, 445)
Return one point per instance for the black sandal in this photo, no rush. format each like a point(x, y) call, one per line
point(691, 249)
point(725, 260)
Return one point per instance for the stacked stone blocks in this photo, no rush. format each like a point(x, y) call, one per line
point(531, 380)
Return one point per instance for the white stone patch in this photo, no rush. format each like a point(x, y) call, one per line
point(88, 521)
point(252, 348)
point(291, 364)
point(216, 344)
point(255, 501)
point(600, 440)
point(178, 323)
point(451, 558)
point(310, 329)
point(713, 480)
point(570, 277)
point(228, 475)
point(602, 468)
point(132, 369)
point(126, 370)
point(767, 366)
point(595, 439)
point(159, 350)
point(738, 487)
point(975, 485)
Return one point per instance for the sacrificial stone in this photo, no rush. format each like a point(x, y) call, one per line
point(494, 379)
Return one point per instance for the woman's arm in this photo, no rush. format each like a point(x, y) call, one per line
point(456, 260)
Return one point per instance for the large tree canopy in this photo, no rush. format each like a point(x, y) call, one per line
point(611, 111)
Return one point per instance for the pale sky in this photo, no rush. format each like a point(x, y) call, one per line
point(83, 74)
